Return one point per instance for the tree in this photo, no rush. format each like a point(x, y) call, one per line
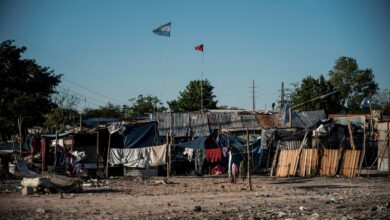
point(190, 98)
point(25, 90)
point(144, 104)
point(107, 111)
point(382, 101)
point(353, 83)
point(64, 111)
point(312, 89)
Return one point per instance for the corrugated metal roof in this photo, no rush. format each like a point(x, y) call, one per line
point(311, 118)
point(183, 123)
point(296, 121)
point(236, 122)
point(219, 120)
point(164, 122)
point(249, 121)
point(199, 124)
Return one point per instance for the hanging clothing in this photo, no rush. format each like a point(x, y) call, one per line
point(32, 145)
point(189, 152)
point(224, 151)
point(26, 144)
point(214, 154)
point(230, 164)
point(234, 172)
point(199, 159)
point(133, 157)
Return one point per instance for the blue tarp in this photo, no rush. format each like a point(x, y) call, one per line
point(197, 144)
point(144, 135)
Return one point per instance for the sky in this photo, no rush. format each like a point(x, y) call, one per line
point(107, 52)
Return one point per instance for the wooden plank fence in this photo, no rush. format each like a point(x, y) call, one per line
point(309, 162)
point(350, 163)
point(329, 162)
point(286, 163)
point(310, 159)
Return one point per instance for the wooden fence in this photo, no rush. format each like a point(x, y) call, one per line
point(314, 162)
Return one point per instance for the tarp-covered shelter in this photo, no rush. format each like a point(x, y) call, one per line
point(141, 148)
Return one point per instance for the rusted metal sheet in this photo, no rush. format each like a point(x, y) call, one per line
point(266, 121)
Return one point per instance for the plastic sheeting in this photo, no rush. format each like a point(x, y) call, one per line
point(141, 136)
point(197, 144)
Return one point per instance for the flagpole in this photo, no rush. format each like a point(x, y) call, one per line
point(164, 30)
point(165, 69)
point(201, 83)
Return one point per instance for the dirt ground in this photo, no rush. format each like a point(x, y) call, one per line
point(209, 197)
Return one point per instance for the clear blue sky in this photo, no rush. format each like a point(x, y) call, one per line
point(107, 47)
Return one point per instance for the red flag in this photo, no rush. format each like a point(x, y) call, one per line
point(199, 48)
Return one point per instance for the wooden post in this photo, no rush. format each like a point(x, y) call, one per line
point(81, 123)
point(97, 153)
point(363, 155)
point(169, 154)
point(340, 156)
point(275, 160)
point(249, 160)
point(108, 153)
point(20, 120)
point(350, 131)
point(299, 154)
point(55, 154)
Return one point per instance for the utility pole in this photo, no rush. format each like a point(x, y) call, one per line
point(282, 96)
point(253, 96)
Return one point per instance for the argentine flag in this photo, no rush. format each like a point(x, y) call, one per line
point(163, 30)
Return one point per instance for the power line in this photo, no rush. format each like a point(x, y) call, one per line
point(52, 55)
point(90, 90)
point(82, 97)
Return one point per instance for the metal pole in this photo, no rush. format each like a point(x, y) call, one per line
point(253, 96)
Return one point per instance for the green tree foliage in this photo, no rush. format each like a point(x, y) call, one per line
point(353, 83)
point(25, 89)
point(312, 89)
point(108, 111)
point(382, 101)
point(190, 98)
point(143, 105)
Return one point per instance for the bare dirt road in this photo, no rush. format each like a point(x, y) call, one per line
point(207, 197)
